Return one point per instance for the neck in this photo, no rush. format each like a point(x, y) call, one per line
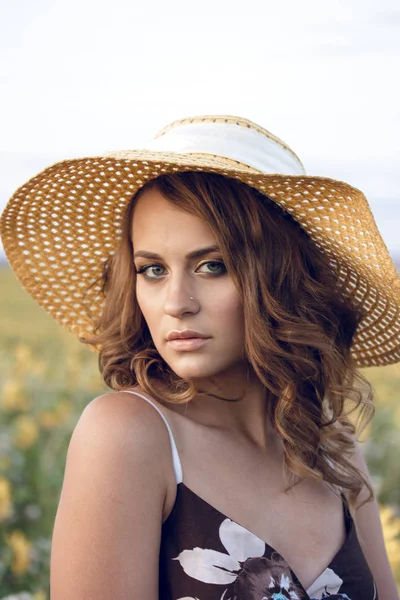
point(235, 405)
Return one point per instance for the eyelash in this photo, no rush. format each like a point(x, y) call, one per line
point(142, 270)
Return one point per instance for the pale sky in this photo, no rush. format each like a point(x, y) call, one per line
point(82, 77)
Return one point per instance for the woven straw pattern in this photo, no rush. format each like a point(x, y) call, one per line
point(60, 226)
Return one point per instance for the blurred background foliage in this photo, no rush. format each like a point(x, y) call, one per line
point(46, 379)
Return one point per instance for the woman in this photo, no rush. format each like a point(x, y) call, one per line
point(230, 304)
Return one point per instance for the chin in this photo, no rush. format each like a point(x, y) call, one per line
point(198, 369)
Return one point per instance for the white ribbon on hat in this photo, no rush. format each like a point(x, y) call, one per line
point(237, 142)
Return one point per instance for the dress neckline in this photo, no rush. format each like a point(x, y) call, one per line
point(349, 525)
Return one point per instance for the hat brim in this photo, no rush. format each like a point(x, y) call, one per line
point(61, 225)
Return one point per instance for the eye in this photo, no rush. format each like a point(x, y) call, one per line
point(144, 271)
point(217, 267)
point(155, 271)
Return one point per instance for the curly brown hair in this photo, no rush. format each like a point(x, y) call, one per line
point(298, 326)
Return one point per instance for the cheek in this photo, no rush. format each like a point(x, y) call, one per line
point(228, 313)
point(147, 306)
point(141, 302)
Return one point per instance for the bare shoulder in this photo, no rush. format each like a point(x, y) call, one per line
point(107, 530)
point(120, 419)
point(130, 409)
point(138, 427)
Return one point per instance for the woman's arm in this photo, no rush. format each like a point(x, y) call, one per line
point(370, 535)
point(107, 530)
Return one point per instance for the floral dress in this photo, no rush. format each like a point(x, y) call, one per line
point(204, 555)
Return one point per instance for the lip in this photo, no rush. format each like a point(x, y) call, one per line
point(185, 334)
point(187, 344)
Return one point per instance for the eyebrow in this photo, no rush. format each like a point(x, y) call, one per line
point(195, 254)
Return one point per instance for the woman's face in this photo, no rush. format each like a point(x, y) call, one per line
point(166, 282)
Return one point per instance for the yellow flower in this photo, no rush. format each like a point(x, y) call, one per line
point(41, 595)
point(23, 362)
point(26, 431)
point(5, 498)
point(21, 548)
point(63, 410)
point(23, 354)
point(391, 532)
point(12, 397)
point(48, 419)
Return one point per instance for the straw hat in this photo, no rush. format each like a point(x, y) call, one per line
point(61, 225)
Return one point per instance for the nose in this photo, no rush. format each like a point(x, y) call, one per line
point(177, 299)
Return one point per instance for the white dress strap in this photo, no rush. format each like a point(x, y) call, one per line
point(175, 456)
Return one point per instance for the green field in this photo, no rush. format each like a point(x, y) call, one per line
point(46, 379)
